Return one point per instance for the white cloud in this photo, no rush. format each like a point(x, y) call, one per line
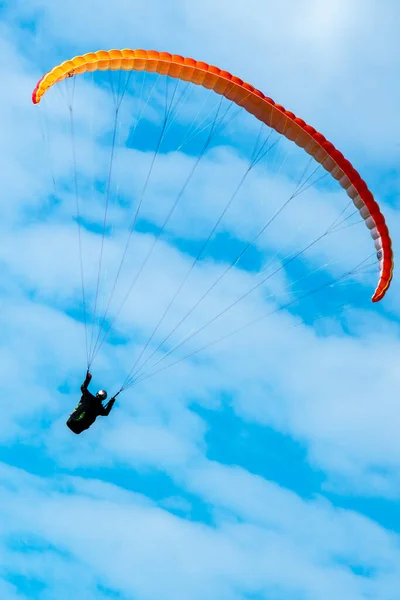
point(264, 540)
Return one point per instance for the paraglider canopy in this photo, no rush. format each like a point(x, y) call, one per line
point(272, 118)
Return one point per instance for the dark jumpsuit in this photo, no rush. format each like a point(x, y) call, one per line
point(89, 408)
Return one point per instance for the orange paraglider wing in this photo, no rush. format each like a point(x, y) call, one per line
point(263, 108)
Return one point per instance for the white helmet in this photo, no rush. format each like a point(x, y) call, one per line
point(102, 395)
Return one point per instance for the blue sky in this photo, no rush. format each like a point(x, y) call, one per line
point(265, 467)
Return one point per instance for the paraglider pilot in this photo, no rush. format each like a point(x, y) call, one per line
point(89, 408)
